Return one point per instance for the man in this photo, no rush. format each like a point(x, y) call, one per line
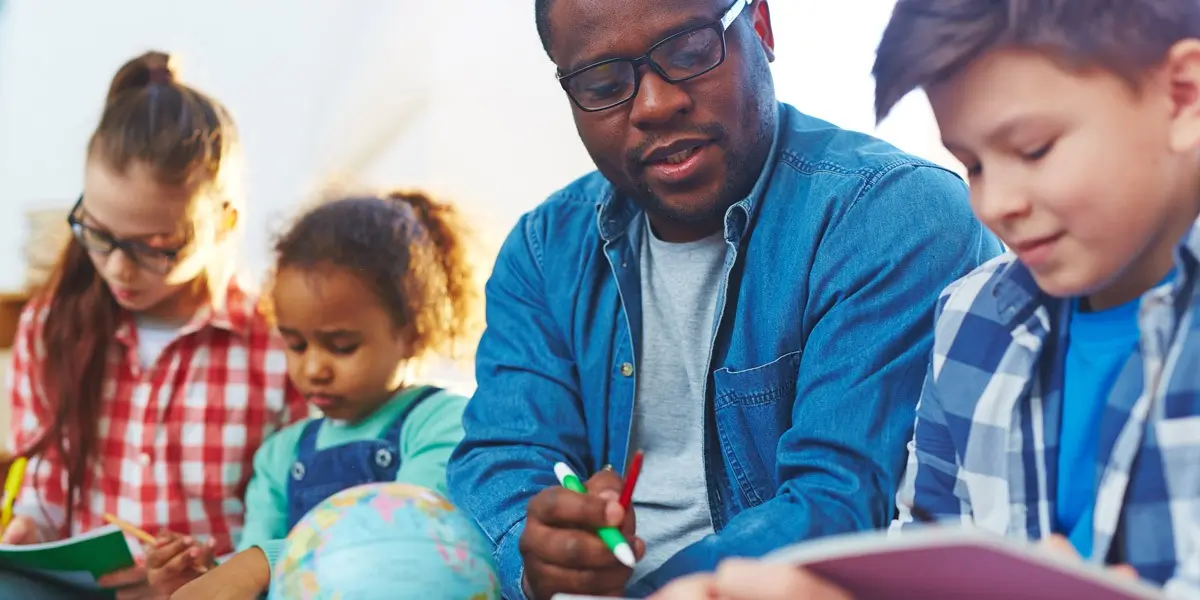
point(742, 291)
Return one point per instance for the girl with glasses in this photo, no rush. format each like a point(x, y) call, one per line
point(144, 377)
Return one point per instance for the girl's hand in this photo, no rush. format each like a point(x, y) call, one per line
point(130, 585)
point(245, 576)
point(174, 560)
point(20, 531)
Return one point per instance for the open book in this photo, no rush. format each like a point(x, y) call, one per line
point(75, 561)
point(943, 563)
point(935, 562)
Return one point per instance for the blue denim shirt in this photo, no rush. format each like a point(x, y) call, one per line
point(823, 330)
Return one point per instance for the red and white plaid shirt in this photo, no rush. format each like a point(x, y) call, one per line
point(176, 440)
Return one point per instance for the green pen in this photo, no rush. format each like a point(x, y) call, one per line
point(610, 535)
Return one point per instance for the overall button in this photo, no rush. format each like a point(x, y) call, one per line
point(297, 470)
point(383, 457)
point(626, 370)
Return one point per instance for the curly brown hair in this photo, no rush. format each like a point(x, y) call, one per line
point(409, 248)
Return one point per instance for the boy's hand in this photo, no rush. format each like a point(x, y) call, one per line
point(174, 560)
point(20, 531)
point(1061, 545)
point(245, 576)
point(741, 579)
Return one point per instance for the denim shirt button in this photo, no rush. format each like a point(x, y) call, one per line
point(626, 370)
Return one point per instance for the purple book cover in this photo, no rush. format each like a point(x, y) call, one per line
point(940, 563)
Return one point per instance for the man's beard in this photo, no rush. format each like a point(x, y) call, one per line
point(700, 209)
point(742, 171)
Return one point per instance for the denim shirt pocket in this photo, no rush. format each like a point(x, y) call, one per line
point(753, 409)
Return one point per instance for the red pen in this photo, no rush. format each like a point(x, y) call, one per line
point(631, 477)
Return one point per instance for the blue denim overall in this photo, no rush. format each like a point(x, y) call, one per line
point(319, 474)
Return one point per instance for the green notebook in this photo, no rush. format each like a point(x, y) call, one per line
point(76, 561)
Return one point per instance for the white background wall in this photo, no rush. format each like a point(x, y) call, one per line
point(453, 95)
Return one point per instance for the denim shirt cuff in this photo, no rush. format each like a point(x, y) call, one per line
point(510, 567)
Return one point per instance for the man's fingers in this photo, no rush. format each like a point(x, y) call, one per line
point(605, 481)
point(567, 548)
point(561, 508)
point(579, 581)
point(607, 485)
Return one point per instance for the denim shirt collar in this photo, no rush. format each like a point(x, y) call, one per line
point(615, 212)
point(1017, 293)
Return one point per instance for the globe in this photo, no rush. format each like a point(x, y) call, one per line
point(385, 540)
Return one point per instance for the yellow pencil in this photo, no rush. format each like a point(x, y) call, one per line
point(12, 487)
point(129, 528)
point(140, 534)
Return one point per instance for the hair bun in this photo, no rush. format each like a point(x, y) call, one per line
point(141, 72)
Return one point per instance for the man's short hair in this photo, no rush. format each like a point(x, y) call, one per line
point(541, 16)
point(929, 41)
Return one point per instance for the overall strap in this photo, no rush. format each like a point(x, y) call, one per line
point(306, 446)
point(392, 433)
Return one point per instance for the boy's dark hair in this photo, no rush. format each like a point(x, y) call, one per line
point(929, 41)
point(407, 247)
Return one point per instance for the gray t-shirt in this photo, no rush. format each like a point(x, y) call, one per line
point(679, 296)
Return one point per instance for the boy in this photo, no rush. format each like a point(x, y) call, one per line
point(1063, 398)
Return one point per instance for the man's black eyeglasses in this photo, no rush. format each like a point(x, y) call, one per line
point(680, 57)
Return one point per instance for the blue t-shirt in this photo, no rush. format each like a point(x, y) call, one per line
point(1098, 346)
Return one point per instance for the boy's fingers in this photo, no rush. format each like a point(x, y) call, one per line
point(1061, 545)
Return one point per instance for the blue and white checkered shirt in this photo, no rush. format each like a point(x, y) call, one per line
point(985, 449)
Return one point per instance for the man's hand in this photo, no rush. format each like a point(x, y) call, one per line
point(174, 560)
point(562, 552)
point(740, 579)
point(20, 531)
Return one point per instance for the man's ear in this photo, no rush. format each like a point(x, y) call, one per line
point(761, 18)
